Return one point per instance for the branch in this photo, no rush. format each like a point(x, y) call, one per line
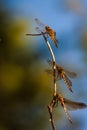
point(51, 52)
point(50, 108)
point(51, 117)
point(53, 60)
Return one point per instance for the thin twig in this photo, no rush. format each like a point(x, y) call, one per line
point(52, 55)
point(56, 96)
point(51, 117)
point(48, 44)
point(53, 60)
point(50, 108)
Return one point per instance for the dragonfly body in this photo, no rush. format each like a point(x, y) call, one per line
point(47, 30)
point(62, 74)
point(69, 105)
point(52, 34)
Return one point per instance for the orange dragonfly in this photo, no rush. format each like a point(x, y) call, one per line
point(69, 105)
point(62, 74)
point(48, 31)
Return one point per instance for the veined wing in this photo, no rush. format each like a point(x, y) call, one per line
point(39, 22)
point(63, 76)
point(42, 25)
point(49, 71)
point(42, 32)
point(58, 76)
point(70, 74)
point(39, 32)
point(50, 63)
point(72, 105)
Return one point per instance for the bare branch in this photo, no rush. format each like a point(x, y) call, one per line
point(53, 59)
point(50, 108)
point(51, 117)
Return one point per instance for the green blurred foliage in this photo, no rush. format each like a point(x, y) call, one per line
point(24, 87)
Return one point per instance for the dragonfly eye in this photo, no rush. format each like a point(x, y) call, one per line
point(47, 27)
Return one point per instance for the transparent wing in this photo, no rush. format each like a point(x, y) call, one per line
point(49, 71)
point(72, 105)
point(70, 74)
point(39, 22)
point(39, 31)
point(50, 63)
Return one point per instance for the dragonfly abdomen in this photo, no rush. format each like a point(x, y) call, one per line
point(67, 82)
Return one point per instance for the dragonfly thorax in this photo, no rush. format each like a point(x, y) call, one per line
point(50, 31)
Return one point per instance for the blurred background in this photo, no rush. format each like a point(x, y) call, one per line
point(25, 88)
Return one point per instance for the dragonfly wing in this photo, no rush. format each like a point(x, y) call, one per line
point(49, 71)
point(39, 31)
point(71, 74)
point(39, 22)
point(67, 82)
point(50, 63)
point(72, 105)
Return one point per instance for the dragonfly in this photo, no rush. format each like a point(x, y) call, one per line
point(61, 73)
point(69, 105)
point(47, 30)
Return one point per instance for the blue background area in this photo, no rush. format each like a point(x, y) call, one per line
point(69, 23)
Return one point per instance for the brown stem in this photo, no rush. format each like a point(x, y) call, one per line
point(50, 108)
point(53, 60)
point(51, 117)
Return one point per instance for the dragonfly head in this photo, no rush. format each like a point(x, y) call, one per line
point(47, 28)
